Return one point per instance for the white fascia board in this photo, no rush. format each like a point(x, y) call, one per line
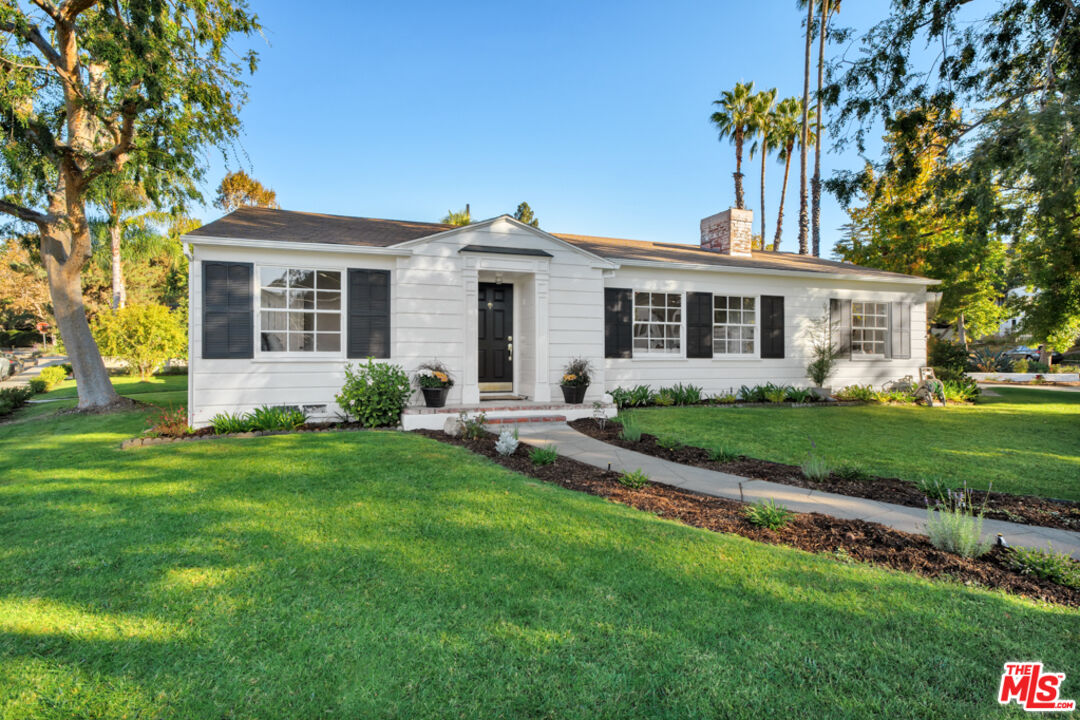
point(778, 272)
point(286, 245)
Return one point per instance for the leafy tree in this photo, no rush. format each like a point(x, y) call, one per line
point(763, 127)
point(238, 189)
point(805, 129)
point(733, 120)
point(787, 125)
point(904, 226)
point(459, 218)
point(1001, 92)
point(94, 87)
point(143, 336)
point(24, 288)
point(525, 215)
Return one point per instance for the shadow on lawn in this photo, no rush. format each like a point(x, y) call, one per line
point(321, 575)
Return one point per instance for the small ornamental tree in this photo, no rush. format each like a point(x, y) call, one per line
point(143, 336)
point(822, 351)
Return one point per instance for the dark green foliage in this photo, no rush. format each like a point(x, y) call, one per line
point(637, 396)
point(852, 473)
point(1049, 565)
point(38, 386)
point(544, 455)
point(374, 393)
point(13, 398)
point(755, 393)
point(800, 395)
point(721, 454)
point(965, 390)
point(223, 423)
point(945, 354)
point(276, 418)
point(864, 393)
point(635, 479)
point(767, 514)
point(577, 372)
point(631, 431)
point(986, 360)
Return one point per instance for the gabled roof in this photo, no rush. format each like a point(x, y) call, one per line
point(267, 225)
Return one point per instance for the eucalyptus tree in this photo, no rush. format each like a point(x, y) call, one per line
point(733, 121)
point(765, 132)
point(999, 98)
point(92, 88)
point(805, 132)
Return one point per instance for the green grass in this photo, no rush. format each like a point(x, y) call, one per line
point(169, 391)
point(1026, 441)
point(381, 574)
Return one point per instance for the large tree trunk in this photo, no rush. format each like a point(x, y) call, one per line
point(815, 185)
point(783, 192)
point(804, 221)
point(738, 170)
point(119, 292)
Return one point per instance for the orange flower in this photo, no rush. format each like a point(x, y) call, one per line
point(441, 376)
point(570, 377)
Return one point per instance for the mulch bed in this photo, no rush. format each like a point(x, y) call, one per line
point(855, 540)
point(1025, 509)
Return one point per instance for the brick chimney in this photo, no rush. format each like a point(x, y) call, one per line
point(728, 232)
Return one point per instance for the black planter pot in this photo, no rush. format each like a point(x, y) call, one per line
point(435, 397)
point(574, 394)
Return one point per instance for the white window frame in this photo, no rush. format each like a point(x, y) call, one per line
point(887, 329)
point(649, 354)
point(757, 327)
point(293, 355)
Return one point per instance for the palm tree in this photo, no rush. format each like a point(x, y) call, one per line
point(763, 128)
point(458, 218)
point(828, 7)
point(787, 127)
point(803, 220)
point(732, 121)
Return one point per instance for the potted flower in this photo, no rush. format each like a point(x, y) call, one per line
point(575, 380)
point(435, 382)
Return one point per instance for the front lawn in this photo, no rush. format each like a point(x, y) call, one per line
point(1025, 441)
point(380, 574)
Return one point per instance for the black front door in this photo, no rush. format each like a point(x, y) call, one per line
point(496, 331)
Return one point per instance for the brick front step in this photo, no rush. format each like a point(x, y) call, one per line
point(525, 419)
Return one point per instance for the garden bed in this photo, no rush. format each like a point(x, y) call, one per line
point(1024, 509)
point(847, 540)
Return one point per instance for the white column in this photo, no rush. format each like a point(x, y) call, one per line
point(543, 359)
point(470, 382)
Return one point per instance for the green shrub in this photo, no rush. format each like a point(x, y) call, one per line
point(631, 430)
point(268, 417)
point(946, 354)
point(852, 473)
point(800, 395)
point(946, 374)
point(637, 396)
point(544, 455)
point(223, 423)
point(988, 361)
point(169, 423)
point(663, 399)
point(961, 391)
point(53, 376)
point(374, 393)
point(13, 398)
point(1056, 567)
point(682, 394)
point(767, 514)
point(1020, 366)
point(954, 526)
point(864, 393)
point(722, 454)
point(38, 386)
point(472, 428)
point(728, 398)
point(143, 336)
point(815, 468)
point(635, 479)
point(776, 393)
point(823, 354)
point(670, 443)
point(68, 368)
point(896, 396)
point(1038, 367)
point(755, 393)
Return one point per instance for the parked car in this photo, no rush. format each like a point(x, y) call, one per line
point(1023, 351)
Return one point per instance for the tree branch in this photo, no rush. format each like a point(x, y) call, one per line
point(48, 8)
point(25, 214)
point(32, 35)
point(71, 9)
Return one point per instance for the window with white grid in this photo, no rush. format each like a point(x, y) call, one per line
point(869, 325)
point(299, 310)
point(734, 325)
point(657, 323)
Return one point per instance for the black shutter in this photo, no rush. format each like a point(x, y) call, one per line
point(369, 313)
point(900, 330)
point(699, 324)
point(618, 323)
point(772, 326)
point(228, 321)
point(840, 327)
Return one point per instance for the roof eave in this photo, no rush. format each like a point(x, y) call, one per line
point(899, 279)
point(395, 250)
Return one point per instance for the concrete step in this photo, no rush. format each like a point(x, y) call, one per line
point(512, 419)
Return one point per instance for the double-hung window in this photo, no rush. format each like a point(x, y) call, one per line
point(299, 310)
point(869, 326)
point(734, 325)
point(657, 323)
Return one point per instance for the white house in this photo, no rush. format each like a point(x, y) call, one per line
point(281, 302)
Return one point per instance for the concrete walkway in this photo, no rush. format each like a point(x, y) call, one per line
point(585, 449)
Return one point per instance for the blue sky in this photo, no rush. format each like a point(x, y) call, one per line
point(595, 113)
